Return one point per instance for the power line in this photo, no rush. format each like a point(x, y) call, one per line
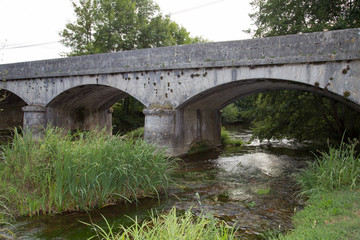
point(30, 45)
point(174, 13)
point(196, 7)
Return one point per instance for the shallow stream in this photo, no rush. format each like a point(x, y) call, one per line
point(250, 186)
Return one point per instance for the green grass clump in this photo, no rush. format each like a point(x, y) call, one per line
point(58, 173)
point(135, 134)
point(169, 226)
point(335, 169)
point(199, 147)
point(226, 139)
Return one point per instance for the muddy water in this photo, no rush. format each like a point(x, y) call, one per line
point(250, 187)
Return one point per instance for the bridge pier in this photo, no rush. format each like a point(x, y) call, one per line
point(81, 118)
point(199, 126)
point(179, 130)
point(159, 128)
point(34, 120)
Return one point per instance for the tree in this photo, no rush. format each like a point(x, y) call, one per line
point(283, 17)
point(302, 115)
point(104, 26)
point(79, 35)
point(230, 114)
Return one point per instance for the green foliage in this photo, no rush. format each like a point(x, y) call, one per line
point(127, 115)
point(229, 114)
point(136, 134)
point(226, 139)
point(5, 219)
point(199, 147)
point(302, 116)
point(282, 17)
point(263, 190)
point(57, 173)
point(103, 26)
point(245, 108)
point(336, 169)
point(170, 226)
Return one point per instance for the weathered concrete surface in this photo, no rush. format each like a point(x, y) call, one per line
point(184, 87)
point(34, 120)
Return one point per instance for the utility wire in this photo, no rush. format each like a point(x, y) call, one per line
point(196, 7)
point(173, 13)
point(30, 45)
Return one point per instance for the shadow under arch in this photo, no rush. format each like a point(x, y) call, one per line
point(11, 114)
point(199, 118)
point(84, 107)
point(220, 96)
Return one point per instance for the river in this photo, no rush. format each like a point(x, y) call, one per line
point(251, 187)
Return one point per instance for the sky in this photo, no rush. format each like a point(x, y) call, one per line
point(29, 29)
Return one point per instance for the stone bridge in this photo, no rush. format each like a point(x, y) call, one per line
point(182, 87)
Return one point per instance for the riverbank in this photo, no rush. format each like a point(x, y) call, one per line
point(62, 172)
point(328, 215)
point(332, 186)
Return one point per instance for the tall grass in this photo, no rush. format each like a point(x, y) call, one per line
point(57, 173)
point(169, 226)
point(335, 169)
point(135, 134)
point(5, 219)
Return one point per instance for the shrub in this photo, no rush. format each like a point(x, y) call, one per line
point(226, 139)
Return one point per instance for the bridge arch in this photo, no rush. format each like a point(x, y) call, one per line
point(222, 95)
point(340, 78)
point(198, 117)
point(84, 107)
point(11, 113)
point(106, 85)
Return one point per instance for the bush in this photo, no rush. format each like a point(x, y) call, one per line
point(59, 174)
point(227, 140)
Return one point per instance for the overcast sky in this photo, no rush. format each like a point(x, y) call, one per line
point(29, 29)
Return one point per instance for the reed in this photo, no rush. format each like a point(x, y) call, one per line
point(335, 169)
point(58, 173)
point(135, 134)
point(5, 220)
point(169, 226)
